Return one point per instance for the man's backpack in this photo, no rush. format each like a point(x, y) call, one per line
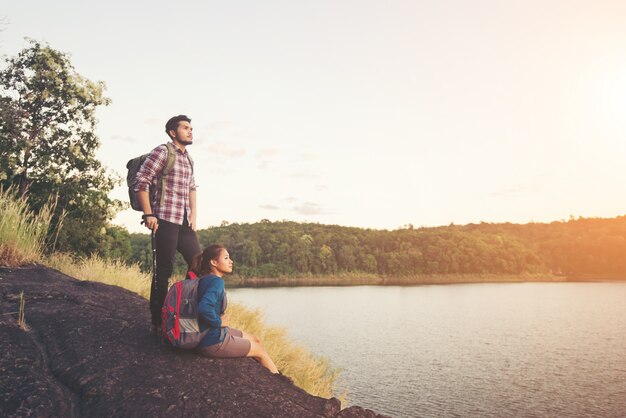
point(180, 314)
point(133, 167)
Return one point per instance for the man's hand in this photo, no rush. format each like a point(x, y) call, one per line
point(152, 223)
point(225, 320)
point(192, 221)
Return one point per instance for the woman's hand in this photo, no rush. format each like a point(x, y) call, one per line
point(225, 320)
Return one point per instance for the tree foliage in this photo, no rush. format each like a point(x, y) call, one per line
point(573, 248)
point(48, 143)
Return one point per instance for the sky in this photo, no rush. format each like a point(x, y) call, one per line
point(358, 112)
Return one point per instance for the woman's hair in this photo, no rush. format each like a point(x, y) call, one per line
point(201, 263)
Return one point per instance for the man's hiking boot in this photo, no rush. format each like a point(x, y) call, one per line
point(155, 332)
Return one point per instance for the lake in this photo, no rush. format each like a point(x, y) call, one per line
point(515, 349)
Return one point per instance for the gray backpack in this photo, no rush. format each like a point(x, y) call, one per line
point(179, 314)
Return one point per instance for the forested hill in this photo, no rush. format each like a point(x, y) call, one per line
point(578, 247)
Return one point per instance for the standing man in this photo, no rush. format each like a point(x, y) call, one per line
point(169, 207)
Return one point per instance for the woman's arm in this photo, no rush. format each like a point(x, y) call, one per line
point(210, 303)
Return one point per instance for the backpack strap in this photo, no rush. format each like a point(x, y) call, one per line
point(171, 159)
point(191, 275)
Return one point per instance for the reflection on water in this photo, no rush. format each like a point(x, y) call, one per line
point(526, 349)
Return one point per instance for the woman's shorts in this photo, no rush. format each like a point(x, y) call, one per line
point(234, 345)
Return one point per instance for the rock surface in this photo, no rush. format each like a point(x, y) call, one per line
point(87, 352)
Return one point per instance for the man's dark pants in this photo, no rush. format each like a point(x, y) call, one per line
point(169, 239)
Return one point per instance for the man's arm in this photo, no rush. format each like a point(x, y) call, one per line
point(192, 201)
point(192, 204)
point(154, 164)
point(144, 201)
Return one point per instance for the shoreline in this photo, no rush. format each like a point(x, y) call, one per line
point(366, 280)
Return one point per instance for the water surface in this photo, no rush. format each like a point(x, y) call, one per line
point(519, 349)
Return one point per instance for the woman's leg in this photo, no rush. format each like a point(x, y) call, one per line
point(258, 353)
point(251, 337)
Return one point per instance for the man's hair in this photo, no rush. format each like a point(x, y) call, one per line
point(172, 124)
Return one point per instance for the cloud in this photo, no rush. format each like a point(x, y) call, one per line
point(308, 208)
point(511, 191)
point(321, 187)
point(217, 126)
point(264, 155)
point(290, 199)
point(154, 121)
point(308, 156)
point(267, 152)
point(224, 129)
point(303, 174)
point(121, 138)
point(224, 149)
point(269, 207)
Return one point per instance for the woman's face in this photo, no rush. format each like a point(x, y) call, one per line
point(223, 263)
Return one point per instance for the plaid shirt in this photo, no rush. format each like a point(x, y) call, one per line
point(179, 183)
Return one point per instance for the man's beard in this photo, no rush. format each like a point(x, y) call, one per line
point(185, 141)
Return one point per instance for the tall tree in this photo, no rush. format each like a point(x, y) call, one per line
point(48, 142)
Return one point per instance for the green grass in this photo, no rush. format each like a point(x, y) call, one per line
point(22, 232)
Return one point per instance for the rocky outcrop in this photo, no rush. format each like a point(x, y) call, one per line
point(87, 352)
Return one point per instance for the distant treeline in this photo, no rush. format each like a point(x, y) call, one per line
point(578, 247)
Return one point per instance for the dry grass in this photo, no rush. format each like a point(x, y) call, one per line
point(312, 373)
point(22, 232)
point(97, 269)
point(22, 240)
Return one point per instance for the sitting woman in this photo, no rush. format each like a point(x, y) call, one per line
point(221, 340)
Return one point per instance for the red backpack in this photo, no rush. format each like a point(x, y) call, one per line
point(180, 314)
